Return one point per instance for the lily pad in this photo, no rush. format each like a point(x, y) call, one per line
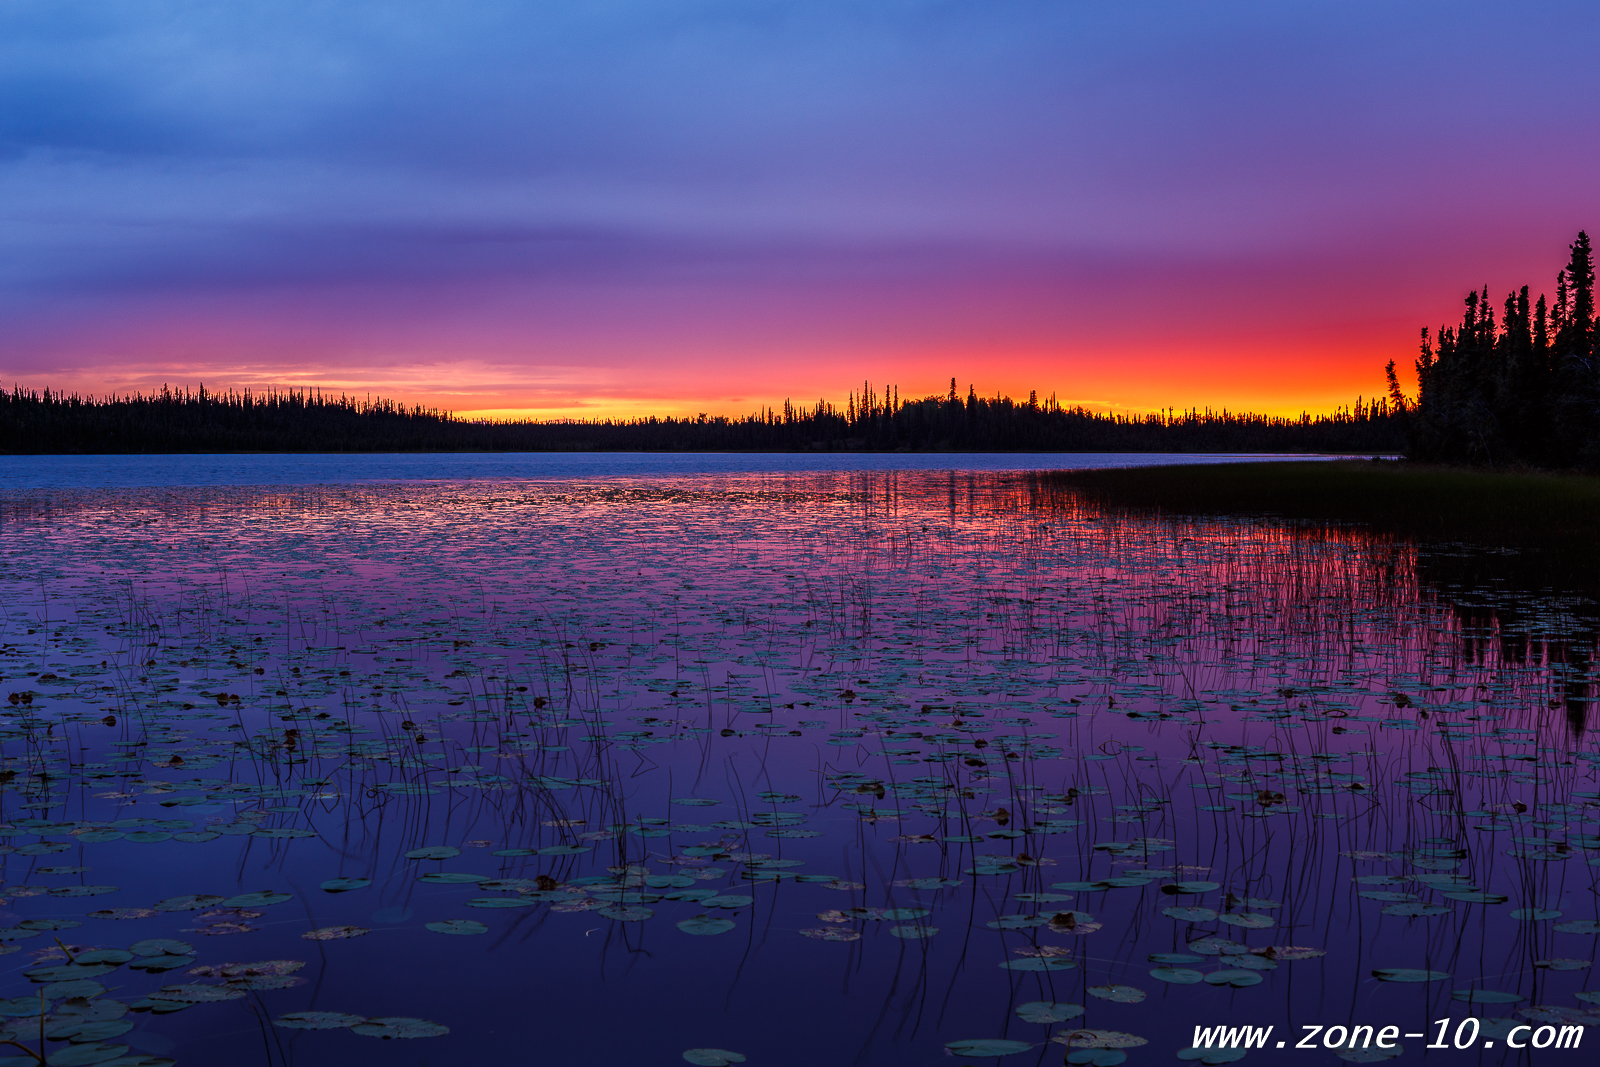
point(345, 885)
point(1177, 975)
point(457, 926)
point(433, 852)
point(1190, 915)
point(712, 1057)
point(194, 993)
point(1039, 963)
point(392, 1027)
point(1117, 994)
point(1098, 1039)
point(987, 1047)
point(1237, 978)
point(1408, 974)
point(701, 926)
point(316, 1020)
point(1044, 1011)
point(334, 933)
point(1211, 1056)
point(1485, 996)
point(1416, 910)
point(161, 946)
point(191, 902)
point(1371, 1054)
point(1095, 1057)
point(86, 1054)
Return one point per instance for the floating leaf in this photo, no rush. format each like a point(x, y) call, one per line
point(1237, 978)
point(1096, 1057)
point(1248, 920)
point(344, 885)
point(1212, 1055)
point(1417, 910)
point(123, 913)
point(161, 946)
point(316, 1020)
point(1535, 914)
point(986, 1047)
point(334, 933)
point(1291, 952)
point(1485, 996)
point(1370, 1054)
point(1039, 963)
point(399, 1027)
point(1098, 1039)
point(457, 926)
point(1406, 974)
point(704, 927)
point(712, 1057)
point(193, 902)
point(198, 994)
point(86, 1054)
point(501, 902)
point(433, 852)
point(1044, 1011)
point(830, 933)
point(1117, 994)
point(1177, 975)
point(1190, 915)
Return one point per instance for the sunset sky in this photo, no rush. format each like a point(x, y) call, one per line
point(623, 206)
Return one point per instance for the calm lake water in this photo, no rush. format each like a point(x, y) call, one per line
point(60, 472)
point(873, 766)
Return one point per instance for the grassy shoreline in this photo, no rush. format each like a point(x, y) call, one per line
point(1520, 509)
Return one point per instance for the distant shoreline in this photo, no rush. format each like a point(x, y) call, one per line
point(872, 421)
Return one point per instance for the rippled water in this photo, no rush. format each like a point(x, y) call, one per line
point(810, 767)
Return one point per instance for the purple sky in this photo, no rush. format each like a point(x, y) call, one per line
point(604, 207)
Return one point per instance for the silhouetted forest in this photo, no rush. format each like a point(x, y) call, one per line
point(300, 421)
point(1521, 390)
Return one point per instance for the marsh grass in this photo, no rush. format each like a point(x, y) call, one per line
point(1514, 509)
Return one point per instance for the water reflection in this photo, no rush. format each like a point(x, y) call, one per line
point(860, 767)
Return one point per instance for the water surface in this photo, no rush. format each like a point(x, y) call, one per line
point(814, 767)
point(59, 472)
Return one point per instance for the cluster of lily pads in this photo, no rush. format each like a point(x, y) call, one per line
point(1137, 760)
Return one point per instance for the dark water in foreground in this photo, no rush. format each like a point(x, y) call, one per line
point(849, 768)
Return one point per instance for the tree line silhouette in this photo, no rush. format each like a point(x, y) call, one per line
point(871, 420)
point(1521, 390)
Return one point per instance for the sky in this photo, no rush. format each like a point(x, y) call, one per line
point(591, 208)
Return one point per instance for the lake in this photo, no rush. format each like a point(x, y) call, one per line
point(665, 759)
